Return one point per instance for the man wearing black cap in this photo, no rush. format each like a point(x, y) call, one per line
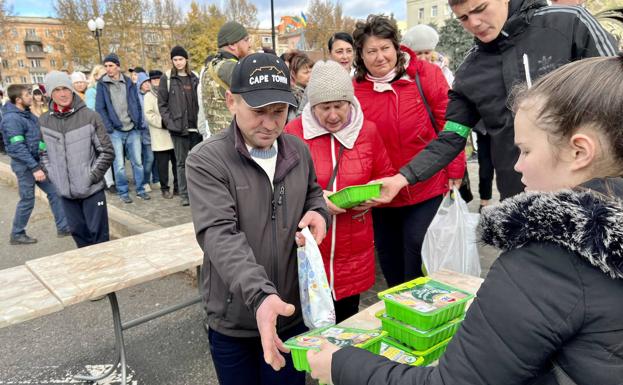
point(251, 187)
point(233, 43)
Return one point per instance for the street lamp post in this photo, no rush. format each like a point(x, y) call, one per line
point(272, 23)
point(96, 26)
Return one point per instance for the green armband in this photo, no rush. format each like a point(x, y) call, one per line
point(457, 128)
point(42, 146)
point(16, 138)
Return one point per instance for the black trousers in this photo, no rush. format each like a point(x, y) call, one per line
point(346, 307)
point(398, 236)
point(485, 166)
point(182, 146)
point(504, 155)
point(88, 219)
point(163, 158)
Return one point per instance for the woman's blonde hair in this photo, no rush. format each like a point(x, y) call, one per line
point(94, 72)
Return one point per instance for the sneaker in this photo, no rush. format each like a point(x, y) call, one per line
point(144, 196)
point(156, 185)
point(112, 189)
point(22, 239)
point(63, 233)
point(147, 187)
point(185, 202)
point(166, 194)
point(125, 199)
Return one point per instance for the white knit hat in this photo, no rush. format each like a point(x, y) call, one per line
point(421, 38)
point(78, 77)
point(329, 82)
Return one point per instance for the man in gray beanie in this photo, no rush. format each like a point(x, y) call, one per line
point(215, 77)
point(75, 136)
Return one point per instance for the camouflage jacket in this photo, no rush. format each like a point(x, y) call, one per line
point(214, 82)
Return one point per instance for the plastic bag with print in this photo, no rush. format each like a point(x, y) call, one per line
point(316, 299)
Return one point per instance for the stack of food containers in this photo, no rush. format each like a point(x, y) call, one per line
point(340, 336)
point(420, 318)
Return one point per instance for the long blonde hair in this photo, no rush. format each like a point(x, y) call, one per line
point(94, 72)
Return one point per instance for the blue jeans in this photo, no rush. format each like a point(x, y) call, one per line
point(241, 360)
point(26, 185)
point(131, 142)
point(148, 164)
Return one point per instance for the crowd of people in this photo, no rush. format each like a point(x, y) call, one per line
point(257, 142)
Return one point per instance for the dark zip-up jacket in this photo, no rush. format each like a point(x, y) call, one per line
point(104, 106)
point(22, 137)
point(246, 228)
point(79, 150)
point(549, 309)
point(172, 103)
point(550, 37)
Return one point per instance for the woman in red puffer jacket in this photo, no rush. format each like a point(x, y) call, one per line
point(385, 85)
point(347, 150)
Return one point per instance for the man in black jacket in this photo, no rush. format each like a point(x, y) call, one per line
point(516, 41)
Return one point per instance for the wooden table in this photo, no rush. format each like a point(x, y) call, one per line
point(103, 269)
point(366, 318)
point(23, 297)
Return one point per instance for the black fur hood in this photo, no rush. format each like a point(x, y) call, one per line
point(587, 220)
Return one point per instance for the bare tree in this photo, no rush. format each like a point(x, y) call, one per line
point(324, 18)
point(243, 12)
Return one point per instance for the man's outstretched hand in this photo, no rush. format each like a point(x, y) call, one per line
point(266, 317)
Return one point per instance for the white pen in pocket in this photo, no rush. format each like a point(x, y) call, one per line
point(526, 67)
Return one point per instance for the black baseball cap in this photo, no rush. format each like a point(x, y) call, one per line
point(262, 79)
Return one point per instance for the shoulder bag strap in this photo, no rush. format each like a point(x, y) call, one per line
point(428, 110)
point(334, 173)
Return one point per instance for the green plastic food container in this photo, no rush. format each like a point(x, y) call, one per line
point(369, 340)
point(354, 195)
point(399, 353)
point(415, 338)
point(432, 354)
point(424, 303)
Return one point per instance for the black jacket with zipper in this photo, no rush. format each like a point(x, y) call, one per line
point(246, 228)
point(550, 307)
point(172, 103)
point(550, 37)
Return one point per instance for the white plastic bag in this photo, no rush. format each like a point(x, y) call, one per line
point(450, 241)
point(316, 299)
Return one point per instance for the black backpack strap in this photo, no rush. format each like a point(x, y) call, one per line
point(426, 105)
point(334, 173)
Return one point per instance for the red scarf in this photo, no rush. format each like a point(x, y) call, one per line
point(60, 110)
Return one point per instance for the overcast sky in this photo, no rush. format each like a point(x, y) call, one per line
point(353, 8)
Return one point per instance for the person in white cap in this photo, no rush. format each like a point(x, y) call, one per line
point(423, 40)
point(80, 83)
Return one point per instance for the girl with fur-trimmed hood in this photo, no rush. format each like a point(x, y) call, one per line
point(549, 311)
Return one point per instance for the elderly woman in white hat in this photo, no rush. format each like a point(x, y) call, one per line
point(347, 150)
point(423, 40)
point(80, 83)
